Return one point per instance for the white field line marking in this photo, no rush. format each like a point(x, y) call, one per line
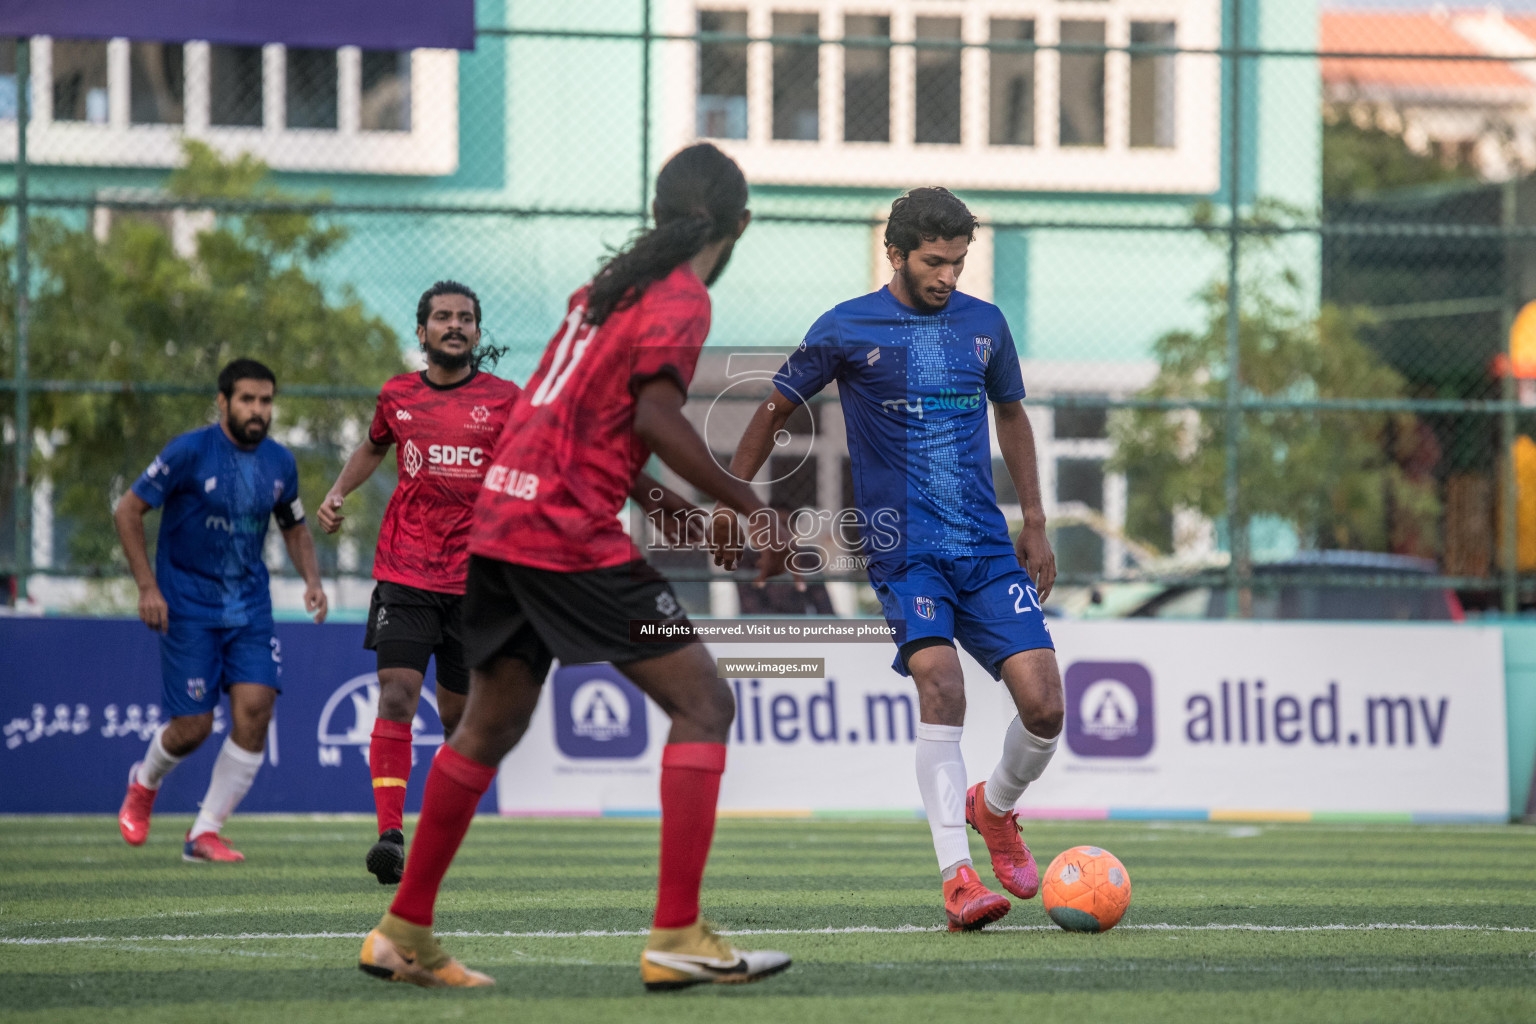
point(905, 929)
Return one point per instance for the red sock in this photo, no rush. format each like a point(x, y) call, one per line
point(389, 762)
point(690, 787)
point(454, 788)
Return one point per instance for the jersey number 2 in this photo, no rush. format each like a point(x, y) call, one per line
point(567, 355)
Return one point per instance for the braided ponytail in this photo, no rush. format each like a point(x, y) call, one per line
point(700, 197)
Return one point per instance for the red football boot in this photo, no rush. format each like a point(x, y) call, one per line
point(209, 847)
point(133, 817)
point(969, 904)
point(1011, 860)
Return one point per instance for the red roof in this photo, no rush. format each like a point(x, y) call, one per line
point(1524, 22)
point(1409, 32)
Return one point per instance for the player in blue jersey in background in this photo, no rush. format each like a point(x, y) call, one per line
point(916, 364)
point(208, 597)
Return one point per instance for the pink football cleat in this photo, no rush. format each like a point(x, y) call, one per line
point(208, 847)
point(133, 817)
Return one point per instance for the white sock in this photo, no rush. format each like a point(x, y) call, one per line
point(1025, 756)
point(157, 764)
point(941, 780)
point(233, 774)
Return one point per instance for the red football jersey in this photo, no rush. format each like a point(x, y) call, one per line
point(568, 457)
point(443, 438)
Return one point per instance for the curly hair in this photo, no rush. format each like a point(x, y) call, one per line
point(926, 215)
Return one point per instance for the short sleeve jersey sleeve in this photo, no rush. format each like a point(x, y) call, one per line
point(675, 323)
point(165, 474)
point(815, 364)
point(288, 509)
point(381, 431)
point(1005, 382)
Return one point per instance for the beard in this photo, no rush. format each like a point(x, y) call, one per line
point(919, 303)
point(252, 431)
point(719, 267)
point(448, 360)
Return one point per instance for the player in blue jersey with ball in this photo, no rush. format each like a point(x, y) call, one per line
point(916, 364)
point(208, 597)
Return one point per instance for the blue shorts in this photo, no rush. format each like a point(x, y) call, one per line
point(198, 663)
point(988, 604)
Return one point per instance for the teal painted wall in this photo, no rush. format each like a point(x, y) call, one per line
point(555, 123)
point(1520, 698)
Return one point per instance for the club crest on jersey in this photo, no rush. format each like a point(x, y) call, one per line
point(923, 606)
point(984, 346)
point(479, 414)
point(410, 458)
point(197, 688)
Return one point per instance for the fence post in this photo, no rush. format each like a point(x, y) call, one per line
point(1509, 521)
point(1237, 539)
point(645, 111)
point(22, 494)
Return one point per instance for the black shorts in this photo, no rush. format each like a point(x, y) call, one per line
point(578, 617)
point(408, 625)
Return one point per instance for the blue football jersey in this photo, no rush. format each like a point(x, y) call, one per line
point(914, 389)
point(217, 498)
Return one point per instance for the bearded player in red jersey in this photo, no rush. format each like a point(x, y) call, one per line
point(552, 574)
point(444, 422)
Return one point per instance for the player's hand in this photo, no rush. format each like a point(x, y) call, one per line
point(726, 537)
point(153, 610)
point(315, 603)
point(330, 513)
point(774, 544)
point(1035, 555)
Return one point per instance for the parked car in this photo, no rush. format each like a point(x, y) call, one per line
point(1376, 597)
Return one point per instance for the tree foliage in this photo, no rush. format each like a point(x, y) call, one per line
point(1338, 478)
point(128, 307)
point(1359, 162)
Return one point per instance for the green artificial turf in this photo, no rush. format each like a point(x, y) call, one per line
point(1227, 922)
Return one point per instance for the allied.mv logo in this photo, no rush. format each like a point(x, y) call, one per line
point(1109, 709)
point(348, 717)
point(598, 713)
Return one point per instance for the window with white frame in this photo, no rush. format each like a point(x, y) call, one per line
point(1012, 94)
point(122, 103)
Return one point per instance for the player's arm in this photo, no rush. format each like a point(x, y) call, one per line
point(661, 425)
point(682, 521)
point(360, 466)
point(752, 451)
point(1016, 440)
point(756, 442)
point(301, 551)
point(129, 517)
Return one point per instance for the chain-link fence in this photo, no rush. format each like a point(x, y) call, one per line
point(1263, 266)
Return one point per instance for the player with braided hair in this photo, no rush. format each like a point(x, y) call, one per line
point(552, 574)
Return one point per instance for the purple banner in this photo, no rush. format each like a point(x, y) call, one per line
point(80, 698)
point(370, 24)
